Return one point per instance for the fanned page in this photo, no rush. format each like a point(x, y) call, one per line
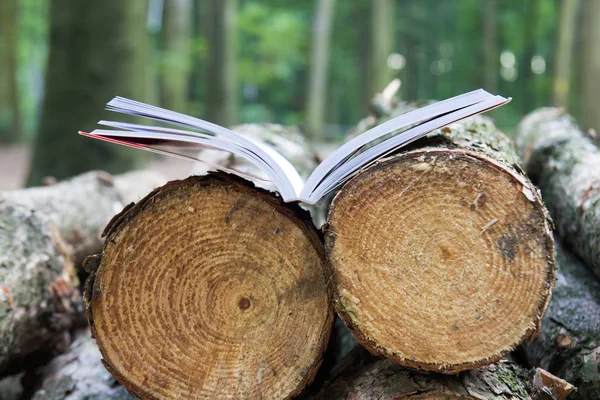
point(332, 172)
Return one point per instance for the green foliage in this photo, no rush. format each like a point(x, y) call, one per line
point(441, 42)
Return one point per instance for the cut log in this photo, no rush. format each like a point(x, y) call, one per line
point(441, 256)
point(81, 206)
point(211, 288)
point(564, 162)
point(39, 300)
point(365, 377)
point(569, 342)
point(79, 375)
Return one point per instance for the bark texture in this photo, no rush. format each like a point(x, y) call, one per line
point(79, 375)
point(441, 256)
point(230, 291)
point(39, 300)
point(42, 231)
point(564, 162)
point(569, 342)
point(365, 377)
point(81, 206)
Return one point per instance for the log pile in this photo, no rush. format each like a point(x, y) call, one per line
point(438, 260)
point(44, 232)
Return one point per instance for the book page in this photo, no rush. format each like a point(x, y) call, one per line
point(431, 111)
point(284, 175)
point(346, 170)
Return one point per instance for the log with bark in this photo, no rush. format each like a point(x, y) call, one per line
point(441, 256)
point(81, 206)
point(564, 162)
point(364, 377)
point(569, 342)
point(39, 300)
point(211, 288)
point(79, 375)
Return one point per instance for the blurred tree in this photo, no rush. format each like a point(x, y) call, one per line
point(564, 52)
point(490, 45)
point(221, 85)
point(529, 47)
point(319, 67)
point(174, 74)
point(411, 39)
point(97, 50)
point(10, 115)
point(382, 44)
point(590, 66)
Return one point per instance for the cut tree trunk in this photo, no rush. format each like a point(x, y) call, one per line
point(211, 288)
point(39, 230)
point(79, 375)
point(81, 206)
point(441, 256)
point(569, 342)
point(564, 162)
point(364, 377)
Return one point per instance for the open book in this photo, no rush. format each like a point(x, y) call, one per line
point(341, 165)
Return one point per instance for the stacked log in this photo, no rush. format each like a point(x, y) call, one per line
point(564, 162)
point(211, 288)
point(441, 256)
point(569, 342)
point(364, 377)
point(43, 231)
point(79, 374)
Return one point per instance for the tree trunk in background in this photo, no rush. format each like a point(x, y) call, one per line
point(221, 84)
point(97, 51)
point(175, 45)
point(10, 117)
point(490, 45)
point(529, 45)
point(317, 84)
point(590, 67)
point(382, 34)
point(564, 52)
point(411, 41)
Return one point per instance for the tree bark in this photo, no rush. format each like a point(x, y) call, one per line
point(42, 231)
point(10, 110)
point(590, 65)
point(226, 273)
point(441, 256)
point(39, 300)
point(97, 51)
point(221, 83)
point(569, 342)
point(564, 52)
point(364, 377)
point(316, 99)
point(79, 375)
point(81, 206)
point(564, 162)
point(176, 37)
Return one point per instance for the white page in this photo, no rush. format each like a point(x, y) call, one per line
point(172, 154)
point(286, 178)
point(425, 113)
point(392, 144)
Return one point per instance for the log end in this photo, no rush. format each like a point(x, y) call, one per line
point(441, 260)
point(210, 288)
